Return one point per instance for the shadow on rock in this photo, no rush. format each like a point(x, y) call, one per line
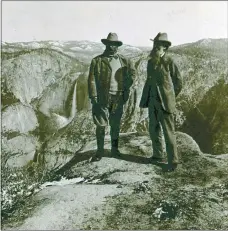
point(78, 157)
point(132, 158)
point(143, 160)
point(87, 158)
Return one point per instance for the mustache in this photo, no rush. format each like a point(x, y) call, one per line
point(111, 50)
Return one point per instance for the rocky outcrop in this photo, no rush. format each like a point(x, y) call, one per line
point(65, 144)
point(19, 150)
point(18, 143)
point(18, 118)
point(39, 93)
point(192, 197)
point(129, 192)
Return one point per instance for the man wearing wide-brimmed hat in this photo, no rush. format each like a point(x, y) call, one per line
point(162, 86)
point(110, 78)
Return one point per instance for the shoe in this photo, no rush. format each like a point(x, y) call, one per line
point(114, 149)
point(158, 160)
point(97, 156)
point(172, 167)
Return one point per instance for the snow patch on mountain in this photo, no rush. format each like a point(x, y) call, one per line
point(57, 43)
point(205, 41)
point(126, 47)
point(31, 45)
point(76, 48)
point(58, 48)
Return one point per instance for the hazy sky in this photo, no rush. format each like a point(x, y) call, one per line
point(135, 22)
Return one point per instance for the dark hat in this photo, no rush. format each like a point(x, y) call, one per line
point(162, 37)
point(112, 39)
point(100, 115)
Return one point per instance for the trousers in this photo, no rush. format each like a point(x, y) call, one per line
point(159, 118)
point(114, 112)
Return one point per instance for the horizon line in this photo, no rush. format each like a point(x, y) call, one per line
point(48, 40)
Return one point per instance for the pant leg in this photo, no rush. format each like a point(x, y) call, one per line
point(115, 115)
point(168, 125)
point(100, 135)
point(155, 130)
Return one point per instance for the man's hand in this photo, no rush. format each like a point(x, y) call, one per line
point(94, 100)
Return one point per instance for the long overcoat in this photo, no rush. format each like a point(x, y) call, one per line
point(166, 80)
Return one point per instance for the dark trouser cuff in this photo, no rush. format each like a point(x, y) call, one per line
point(115, 143)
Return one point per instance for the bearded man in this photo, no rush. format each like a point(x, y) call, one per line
point(162, 86)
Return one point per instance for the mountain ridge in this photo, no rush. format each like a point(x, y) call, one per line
point(203, 40)
point(85, 49)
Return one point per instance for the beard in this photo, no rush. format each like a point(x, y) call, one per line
point(155, 57)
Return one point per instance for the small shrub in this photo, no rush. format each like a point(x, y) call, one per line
point(18, 184)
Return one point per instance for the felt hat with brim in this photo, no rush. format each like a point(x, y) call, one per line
point(163, 38)
point(100, 115)
point(112, 39)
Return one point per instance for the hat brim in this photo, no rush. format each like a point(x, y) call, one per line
point(108, 42)
point(164, 41)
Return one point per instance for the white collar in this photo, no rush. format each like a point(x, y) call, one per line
point(162, 54)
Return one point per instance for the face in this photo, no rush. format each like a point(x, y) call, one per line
point(112, 48)
point(159, 48)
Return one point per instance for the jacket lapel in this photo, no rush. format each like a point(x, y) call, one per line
point(122, 61)
point(105, 60)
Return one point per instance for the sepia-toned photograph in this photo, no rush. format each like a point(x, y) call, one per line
point(114, 115)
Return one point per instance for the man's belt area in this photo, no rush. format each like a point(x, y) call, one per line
point(116, 93)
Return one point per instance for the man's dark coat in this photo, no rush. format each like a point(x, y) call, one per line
point(100, 75)
point(166, 81)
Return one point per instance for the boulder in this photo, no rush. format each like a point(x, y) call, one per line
point(18, 151)
point(18, 118)
point(187, 147)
